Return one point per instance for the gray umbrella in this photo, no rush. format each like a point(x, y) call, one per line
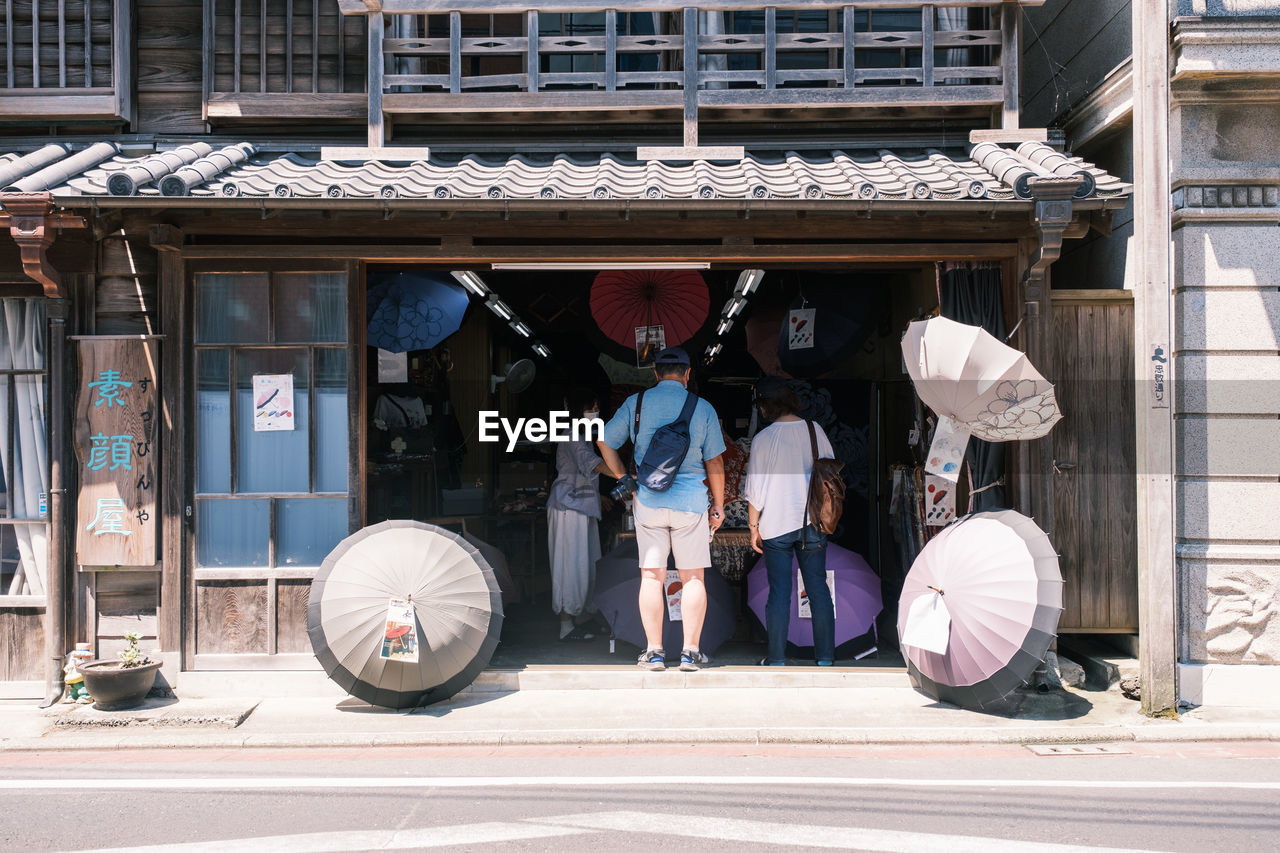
point(456, 602)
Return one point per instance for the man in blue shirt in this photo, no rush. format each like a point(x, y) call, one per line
point(678, 521)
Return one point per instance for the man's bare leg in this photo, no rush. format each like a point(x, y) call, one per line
point(652, 603)
point(693, 605)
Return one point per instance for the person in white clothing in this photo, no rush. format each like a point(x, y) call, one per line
point(777, 492)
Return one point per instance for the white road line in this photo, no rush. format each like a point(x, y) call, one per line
point(807, 835)
point(334, 842)
point(722, 829)
point(258, 783)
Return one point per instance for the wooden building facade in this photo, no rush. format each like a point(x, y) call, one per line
point(217, 179)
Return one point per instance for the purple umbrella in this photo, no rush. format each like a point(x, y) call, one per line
point(857, 597)
point(617, 591)
point(980, 608)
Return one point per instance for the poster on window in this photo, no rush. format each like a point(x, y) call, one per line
point(805, 611)
point(117, 446)
point(650, 340)
point(674, 587)
point(272, 402)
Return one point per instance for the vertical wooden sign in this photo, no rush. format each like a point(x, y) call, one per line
point(117, 447)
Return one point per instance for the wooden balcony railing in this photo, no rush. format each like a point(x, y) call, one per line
point(282, 59)
point(495, 56)
point(67, 60)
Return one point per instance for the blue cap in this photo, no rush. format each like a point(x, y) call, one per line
point(672, 355)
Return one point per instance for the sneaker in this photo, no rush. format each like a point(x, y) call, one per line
point(690, 661)
point(767, 662)
point(652, 660)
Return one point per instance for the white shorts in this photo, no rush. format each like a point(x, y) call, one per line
point(662, 532)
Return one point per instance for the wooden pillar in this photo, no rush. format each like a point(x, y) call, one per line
point(1153, 334)
point(1010, 23)
point(171, 286)
point(377, 121)
point(56, 586)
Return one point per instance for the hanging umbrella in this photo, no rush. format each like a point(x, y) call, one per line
point(624, 300)
point(456, 602)
point(979, 608)
point(762, 330)
point(413, 310)
point(962, 372)
point(617, 599)
point(857, 597)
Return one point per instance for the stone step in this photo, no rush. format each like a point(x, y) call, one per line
point(314, 683)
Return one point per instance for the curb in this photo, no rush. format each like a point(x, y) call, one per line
point(207, 739)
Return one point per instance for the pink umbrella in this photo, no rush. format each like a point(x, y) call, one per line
point(979, 608)
point(857, 597)
point(762, 339)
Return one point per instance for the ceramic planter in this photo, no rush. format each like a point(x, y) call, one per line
point(115, 688)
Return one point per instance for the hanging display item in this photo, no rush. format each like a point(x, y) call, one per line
point(623, 301)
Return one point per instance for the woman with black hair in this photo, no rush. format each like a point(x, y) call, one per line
point(777, 492)
point(573, 515)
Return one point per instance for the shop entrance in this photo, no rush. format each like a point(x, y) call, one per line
point(528, 341)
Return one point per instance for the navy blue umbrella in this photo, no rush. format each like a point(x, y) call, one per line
point(617, 597)
point(414, 310)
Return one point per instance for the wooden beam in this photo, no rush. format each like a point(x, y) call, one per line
point(377, 119)
point(512, 7)
point(167, 241)
point(1010, 24)
point(1153, 347)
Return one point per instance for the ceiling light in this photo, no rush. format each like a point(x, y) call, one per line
point(521, 328)
point(603, 265)
point(748, 281)
point(542, 350)
point(735, 305)
point(725, 325)
point(472, 282)
point(498, 307)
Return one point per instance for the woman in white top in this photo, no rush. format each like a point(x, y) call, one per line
point(777, 491)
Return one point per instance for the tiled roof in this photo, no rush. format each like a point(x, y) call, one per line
point(982, 171)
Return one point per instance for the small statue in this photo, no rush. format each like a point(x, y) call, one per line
point(76, 691)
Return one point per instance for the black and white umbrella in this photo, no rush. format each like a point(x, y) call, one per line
point(456, 607)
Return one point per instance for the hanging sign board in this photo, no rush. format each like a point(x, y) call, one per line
point(800, 328)
point(117, 446)
point(272, 402)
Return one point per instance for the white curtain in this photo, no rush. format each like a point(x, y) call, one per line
point(26, 475)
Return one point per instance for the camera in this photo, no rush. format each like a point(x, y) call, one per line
point(625, 488)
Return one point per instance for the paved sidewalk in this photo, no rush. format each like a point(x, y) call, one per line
point(647, 708)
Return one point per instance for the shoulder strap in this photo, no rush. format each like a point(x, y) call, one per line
point(813, 440)
point(686, 412)
point(636, 422)
point(813, 446)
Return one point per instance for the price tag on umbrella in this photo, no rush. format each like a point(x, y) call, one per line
point(800, 328)
point(928, 624)
point(400, 639)
point(674, 588)
point(946, 454)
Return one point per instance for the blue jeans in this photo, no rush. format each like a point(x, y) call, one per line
point(810, 549)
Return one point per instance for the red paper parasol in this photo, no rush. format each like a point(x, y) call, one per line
point(398, 632)
point(677, 300)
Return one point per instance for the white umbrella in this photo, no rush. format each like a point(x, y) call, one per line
point(979, 608)
point(965, 374)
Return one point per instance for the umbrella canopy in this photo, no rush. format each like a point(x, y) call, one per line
point(857, 599)
point(414, 310)
point(963, 373)
point(457, 607)
point(622, 300)
point(995, 577)
point(617, 598)
point(840, 325)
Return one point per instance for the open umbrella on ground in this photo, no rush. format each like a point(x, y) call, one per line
point(979, 608)
point(624, 300)
point(857, 598)
point(617, 591)
point(456, 603)
point(413, 310)
point(962, 372)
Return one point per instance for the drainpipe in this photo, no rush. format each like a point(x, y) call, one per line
point(56, 582)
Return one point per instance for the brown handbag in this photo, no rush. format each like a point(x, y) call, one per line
point(826, 490)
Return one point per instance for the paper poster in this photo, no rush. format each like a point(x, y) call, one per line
point(393, 366)
point(800, 328)
point(946, 454)
point(400, 640)
point(928, 624)
point(650, 340)
point(805, 611)
point(272, 402)
point(939, 501)
point(674, 587)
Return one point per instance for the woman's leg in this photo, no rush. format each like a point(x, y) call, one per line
point(812, 556)
point(777, 562)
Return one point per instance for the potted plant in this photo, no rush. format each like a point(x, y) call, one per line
point(115, 685)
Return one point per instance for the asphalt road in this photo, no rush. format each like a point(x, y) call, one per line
point(1185, 797)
